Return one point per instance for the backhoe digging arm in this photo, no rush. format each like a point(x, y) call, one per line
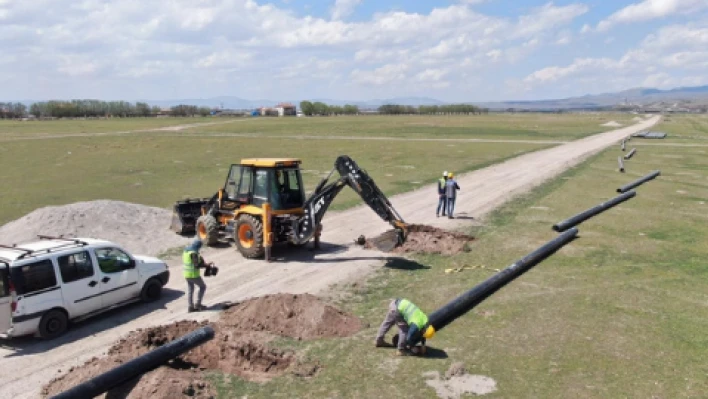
point(304, 227)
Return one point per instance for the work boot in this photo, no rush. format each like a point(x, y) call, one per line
point(402, 352)
point(190, 309)
point(381, 343)
point(200, 307)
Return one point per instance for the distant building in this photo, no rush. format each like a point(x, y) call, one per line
point(286, 109)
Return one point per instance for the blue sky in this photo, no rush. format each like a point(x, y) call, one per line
point(463, 50)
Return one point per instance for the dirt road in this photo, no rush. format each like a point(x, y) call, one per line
point(28, 364)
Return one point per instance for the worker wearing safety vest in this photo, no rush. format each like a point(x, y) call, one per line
point(192, 263)
point(411, 321)
point(442, 198)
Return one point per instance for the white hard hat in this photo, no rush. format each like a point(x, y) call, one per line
point(445, 174)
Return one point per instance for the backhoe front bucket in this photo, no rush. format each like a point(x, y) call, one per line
point(185, 215)
point(389, 240)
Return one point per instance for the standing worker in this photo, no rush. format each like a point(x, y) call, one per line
point(442, 198)
point(410, 321)
point(451, 188)
point(193, 261)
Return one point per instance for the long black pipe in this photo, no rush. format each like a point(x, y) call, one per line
point(639, 181)
point(138, 366)
point(468, 300)
point(630, 154)
point(621, 164)
point(622, 145)
point(582, 216)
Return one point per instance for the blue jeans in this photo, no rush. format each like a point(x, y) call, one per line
point(450, 206)
point(442, 203)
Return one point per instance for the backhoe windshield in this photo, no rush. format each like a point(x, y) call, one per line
point(285, 189)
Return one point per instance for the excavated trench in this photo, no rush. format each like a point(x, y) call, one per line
point(239, 347)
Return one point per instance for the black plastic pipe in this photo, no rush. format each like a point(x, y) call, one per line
point(138, 366)
point(630, 154)
point(639, 181)
point(582, 216)
point(468, 300)
point(621, 164)
point(622, 145)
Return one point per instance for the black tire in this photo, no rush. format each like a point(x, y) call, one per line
point(53, 324)
point(250, 247)
point(208, 229)
point(152, 291)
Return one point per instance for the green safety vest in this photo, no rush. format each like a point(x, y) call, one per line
point(189, 270)
point(411, 314)
point(441, 184)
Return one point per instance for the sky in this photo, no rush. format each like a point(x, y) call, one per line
point(454, 51)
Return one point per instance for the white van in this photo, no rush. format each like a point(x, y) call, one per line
point(46, 283)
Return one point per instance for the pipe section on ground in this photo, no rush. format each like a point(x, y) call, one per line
point(468, 300)
point(621, 164)
point(581, 217)
point(639, 181)
point(630, 154)
point(138, 366)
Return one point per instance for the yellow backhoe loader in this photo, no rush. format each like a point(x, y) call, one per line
point(263, 202)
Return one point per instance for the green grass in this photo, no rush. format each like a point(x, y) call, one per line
point(157, 170)
point(620, 312)
point(11, 128)
point(491, 126)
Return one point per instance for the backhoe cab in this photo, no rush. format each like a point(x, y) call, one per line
point(263, 202)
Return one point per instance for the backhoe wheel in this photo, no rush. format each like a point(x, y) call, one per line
point(208, 229)
point(249, 236)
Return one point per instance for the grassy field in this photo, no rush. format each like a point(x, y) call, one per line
point(683, 129)
point(11, 128)
point(620, 312)
point(491, 126)
point(158, 168)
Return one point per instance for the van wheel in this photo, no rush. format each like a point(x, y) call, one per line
point(53, 324)
point(152, 291)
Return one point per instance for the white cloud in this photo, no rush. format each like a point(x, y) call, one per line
point(674, 55)
point(651, 9)
point(344, 8)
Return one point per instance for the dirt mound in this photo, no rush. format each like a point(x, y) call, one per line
point(239, 347)
point(140, 229)
point(301, 316)
point(431, 240)
point(611, 124)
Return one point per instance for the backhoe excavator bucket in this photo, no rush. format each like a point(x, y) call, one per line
point(185, 215)
point(389, 240)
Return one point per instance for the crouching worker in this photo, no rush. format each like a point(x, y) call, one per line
point(412, 324)
point(193, 261)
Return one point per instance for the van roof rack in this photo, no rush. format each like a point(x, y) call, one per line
point(74, 240)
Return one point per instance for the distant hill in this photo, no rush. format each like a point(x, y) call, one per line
point(681, 96)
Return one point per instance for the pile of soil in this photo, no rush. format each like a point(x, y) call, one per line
point(430, 240)
point(239, 347)
point(611, 124)
point(141, 229)
point(301, 316)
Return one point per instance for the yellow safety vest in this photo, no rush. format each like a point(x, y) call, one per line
point(189, 269)
point(411, 314)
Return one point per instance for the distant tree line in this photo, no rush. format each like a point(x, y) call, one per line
point(319, 108)
point(394, 109)
point(12, 110)
point(91, 108)
point(189, 110)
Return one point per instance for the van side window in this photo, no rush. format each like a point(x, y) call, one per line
point(75, 266)
point(4, 281)
point(33, 277)
point(112, 260)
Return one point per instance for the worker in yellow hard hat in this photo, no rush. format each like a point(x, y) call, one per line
point(412, 323)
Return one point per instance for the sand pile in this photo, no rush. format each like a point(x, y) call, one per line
point(140, 229)
point(301, 316)
point(239, 347)
point(431, 240)
point(611, 124)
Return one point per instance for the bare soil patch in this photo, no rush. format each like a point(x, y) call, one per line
point(457, 382)
point(429, 239)
point(143, 230)
point(239, 347)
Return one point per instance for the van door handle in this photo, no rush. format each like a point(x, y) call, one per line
point(92, 283)
point(105, 279)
